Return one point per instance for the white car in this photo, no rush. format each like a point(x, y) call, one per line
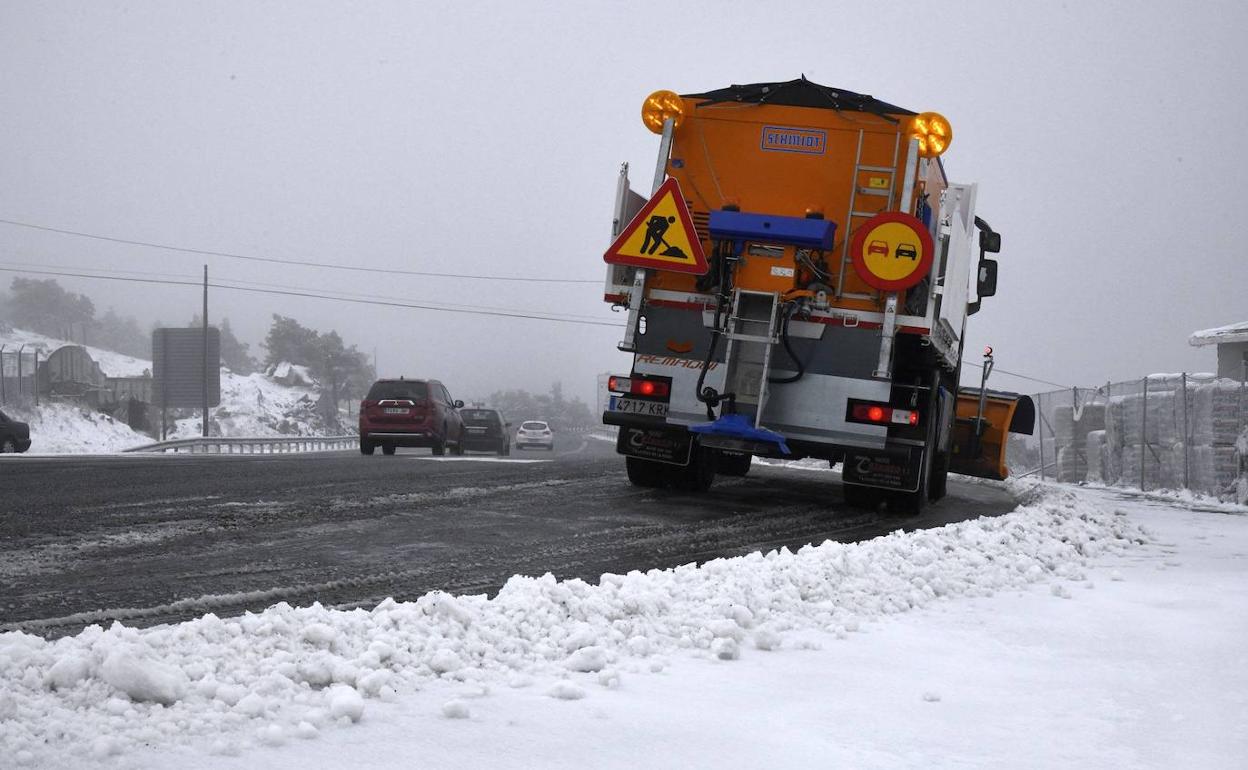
point(535, 433)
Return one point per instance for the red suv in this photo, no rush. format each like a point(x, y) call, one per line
point(415, 413)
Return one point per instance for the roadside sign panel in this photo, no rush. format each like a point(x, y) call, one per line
point(178, 367)
point(661, 236)
point(892, 251)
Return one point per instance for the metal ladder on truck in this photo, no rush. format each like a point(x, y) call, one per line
point(861, 216)
point(752, 333)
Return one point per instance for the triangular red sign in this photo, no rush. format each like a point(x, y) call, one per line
point(661, 236)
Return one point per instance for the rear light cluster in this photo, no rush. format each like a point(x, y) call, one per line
point(882, 414)
point(638, 386)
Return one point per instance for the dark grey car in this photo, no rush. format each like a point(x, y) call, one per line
point(14, 435)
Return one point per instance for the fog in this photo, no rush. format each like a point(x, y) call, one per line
point(486, 138)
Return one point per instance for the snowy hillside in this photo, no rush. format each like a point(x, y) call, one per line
point(1080, 630)
point(284, 404)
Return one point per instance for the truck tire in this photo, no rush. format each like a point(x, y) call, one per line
point(644, 473)
point(366, 446)
point(439, 449)
point(388, 449)
point(858, 496)
point(938, 484)
point(699, 474)
point(733, 464)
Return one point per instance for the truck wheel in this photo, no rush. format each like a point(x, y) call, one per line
point(388, 449)
point(699, 474)
point(502, 450)
point(938, 485)
point(644, 473)
point(732, 464)
point(868, 498)
point(439, 449)
point(458, 451)
point(366, 446)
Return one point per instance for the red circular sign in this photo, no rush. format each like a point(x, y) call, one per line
point(892, 251)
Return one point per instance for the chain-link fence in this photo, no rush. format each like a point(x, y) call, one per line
point(19, 376)
point(1164, 431)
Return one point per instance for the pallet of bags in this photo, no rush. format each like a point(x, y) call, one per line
point(1217, 412)
point(1200, 468)
point(1064, 425)
point(1096, 452)
point(1158, 467)
point(1149, 418)
point(1225, 469)
point(1072, 465)
point(1091, 417)
point(1114, 426)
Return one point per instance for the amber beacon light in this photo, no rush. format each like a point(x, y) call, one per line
point(661, 106)
point(933, 132)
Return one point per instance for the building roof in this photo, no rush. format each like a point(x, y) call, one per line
point(800, 93)
point(1233, 333)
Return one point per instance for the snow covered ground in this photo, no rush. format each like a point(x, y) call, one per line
point(1084, 629)
point(62, 428)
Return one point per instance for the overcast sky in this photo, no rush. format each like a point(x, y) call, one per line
point(485, 138)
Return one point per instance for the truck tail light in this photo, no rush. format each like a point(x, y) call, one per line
point(882, 414)
point(639, 386)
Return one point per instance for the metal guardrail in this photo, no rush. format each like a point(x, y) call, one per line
point(250, 446)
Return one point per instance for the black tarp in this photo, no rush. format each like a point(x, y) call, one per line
point(800, 93)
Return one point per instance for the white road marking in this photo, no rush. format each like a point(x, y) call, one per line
point(476, 460)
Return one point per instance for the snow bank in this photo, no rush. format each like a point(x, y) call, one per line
point(252, 680)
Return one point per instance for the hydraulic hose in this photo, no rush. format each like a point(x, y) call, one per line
point(788, 348)
point(708, 395)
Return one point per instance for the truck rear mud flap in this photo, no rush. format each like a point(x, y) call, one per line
point(979, 445)
point(662, 445)
point(896, 469)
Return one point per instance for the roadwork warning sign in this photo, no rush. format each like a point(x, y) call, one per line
point(661, 236)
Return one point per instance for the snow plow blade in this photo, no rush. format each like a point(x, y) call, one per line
point(979, 445)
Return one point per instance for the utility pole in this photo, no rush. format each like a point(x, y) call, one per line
point(205, 381)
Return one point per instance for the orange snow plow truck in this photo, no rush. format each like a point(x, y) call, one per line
point(797, 284)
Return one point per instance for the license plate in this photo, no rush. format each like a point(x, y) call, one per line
point(633, 406)
point(395, 410)
point(476, 430)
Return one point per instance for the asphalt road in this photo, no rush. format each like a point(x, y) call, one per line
point(151, 539)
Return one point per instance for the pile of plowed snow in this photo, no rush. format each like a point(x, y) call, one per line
point(230, 684)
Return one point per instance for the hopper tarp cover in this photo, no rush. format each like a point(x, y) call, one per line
point(799, 93)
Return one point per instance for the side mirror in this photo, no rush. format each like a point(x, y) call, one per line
point(986, 281)
point(459, 404)
point(990, 241)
